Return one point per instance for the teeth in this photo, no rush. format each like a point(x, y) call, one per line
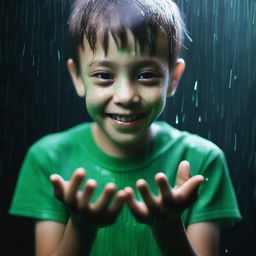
point(124, 118)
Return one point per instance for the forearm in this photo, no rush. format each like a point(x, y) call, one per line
point(172, 240)
point(76, 241)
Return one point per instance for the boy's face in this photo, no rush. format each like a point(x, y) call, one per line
point(125, 91)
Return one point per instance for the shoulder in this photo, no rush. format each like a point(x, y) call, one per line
point(60, 141)
point(185, 141)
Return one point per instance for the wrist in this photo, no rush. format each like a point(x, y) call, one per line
point(83, 228)
point(173, 230)
point(172, 239)
point(169, 225)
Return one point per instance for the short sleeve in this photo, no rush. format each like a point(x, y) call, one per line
point(216, 197)
point(34, 196)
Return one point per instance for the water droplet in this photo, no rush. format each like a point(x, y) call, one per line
point(195, 86)
point(235, 142)
point(58, 55)
point(177, 119)
point(230, 79)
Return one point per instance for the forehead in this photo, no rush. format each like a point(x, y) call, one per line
point(132, 51)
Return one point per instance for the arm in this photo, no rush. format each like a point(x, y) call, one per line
point(76, 238)
point(205, 237)
point(53, 238)
point(163, 213)
point(198, 239)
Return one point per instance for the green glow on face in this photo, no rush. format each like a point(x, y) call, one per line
point(125, 89)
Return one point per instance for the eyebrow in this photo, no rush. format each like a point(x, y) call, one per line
point(140, 63)
point(101, 63)
point(151, 62)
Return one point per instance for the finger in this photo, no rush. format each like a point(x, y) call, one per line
point(105, 197)
point(119, 201)
point(138, 209)
point(74, 185)
point(187, 192)
point(164, 187)
point(183, 173)
point(59, 186)
point(147, 196)
point(87, 193)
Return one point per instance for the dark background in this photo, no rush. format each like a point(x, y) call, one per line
point(216, 98)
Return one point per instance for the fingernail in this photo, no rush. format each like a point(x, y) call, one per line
point(53, 176)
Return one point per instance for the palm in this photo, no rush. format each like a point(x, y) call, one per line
point(170, 202)
point(83, 212)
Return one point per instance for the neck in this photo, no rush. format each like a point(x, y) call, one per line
point(120, 150)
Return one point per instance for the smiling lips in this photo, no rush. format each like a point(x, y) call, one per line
point(126, 120)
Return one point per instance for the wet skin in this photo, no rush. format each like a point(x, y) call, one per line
point(124, 91)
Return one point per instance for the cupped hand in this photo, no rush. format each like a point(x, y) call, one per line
point(169, 204)
point(82, 211)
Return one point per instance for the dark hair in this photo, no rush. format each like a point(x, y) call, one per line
point(96, 19)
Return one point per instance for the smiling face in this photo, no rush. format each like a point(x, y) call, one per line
point(125, 91)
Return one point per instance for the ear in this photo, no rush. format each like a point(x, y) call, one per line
point(76, 78)
point(175, 76)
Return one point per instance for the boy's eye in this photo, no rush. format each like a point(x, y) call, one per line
point(103, 75)
point(147, 75)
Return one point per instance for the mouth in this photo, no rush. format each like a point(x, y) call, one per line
point(126, 119)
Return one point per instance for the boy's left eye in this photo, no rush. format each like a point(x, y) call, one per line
point(147, 75)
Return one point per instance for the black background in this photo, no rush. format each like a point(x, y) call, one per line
point(216, 98)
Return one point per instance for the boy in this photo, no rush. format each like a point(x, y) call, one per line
point(125, 65)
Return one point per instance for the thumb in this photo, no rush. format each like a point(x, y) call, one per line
point(187, 193)
point(58, 186)
point(183, 173)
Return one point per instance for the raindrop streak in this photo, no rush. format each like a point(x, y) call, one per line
point(58, 55)
point(230, 79)
point(24, 48)
point(254, 14)
point(177, 119)
point(195, 86)
point(183, 118)
point(196, 99)
point(209, 136)
point(214, 50)
point(182, 104)
point(235, 141)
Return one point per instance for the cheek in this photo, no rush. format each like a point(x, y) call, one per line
point(155, 98)
point(158, 107)
point(92, 105)
point(95, 100)
point(92, 109)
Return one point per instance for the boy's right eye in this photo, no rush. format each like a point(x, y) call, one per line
point(103, 76)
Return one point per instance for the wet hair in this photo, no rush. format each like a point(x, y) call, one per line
point(146, 19)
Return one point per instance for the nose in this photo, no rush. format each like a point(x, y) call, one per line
point(125, 93)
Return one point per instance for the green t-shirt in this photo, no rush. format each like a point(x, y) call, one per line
point(64, 152)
